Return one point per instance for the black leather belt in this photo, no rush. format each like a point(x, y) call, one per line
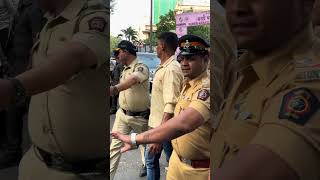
point(131, 113)
point(56, 161)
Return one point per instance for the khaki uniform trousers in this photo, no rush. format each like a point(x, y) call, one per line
point(124, 124)
point(33, 168)
point(178, 170)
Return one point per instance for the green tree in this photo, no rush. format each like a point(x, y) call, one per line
point(130, 34)
point(202, 31)
point(114, 41)
point(154, 39)
point(166, 23)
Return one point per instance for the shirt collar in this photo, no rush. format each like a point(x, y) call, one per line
point(167, 62)
point(131, 65)
point(196, 80)
point(269, 66)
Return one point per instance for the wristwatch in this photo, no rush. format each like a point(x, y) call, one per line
point(133, 140)
point(19, 96)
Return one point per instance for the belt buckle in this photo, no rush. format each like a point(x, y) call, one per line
point(186, 161)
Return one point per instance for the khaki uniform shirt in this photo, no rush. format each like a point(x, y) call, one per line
point(195, 94)
point(166, 87)
point(137, 97)
point(71, 118)
point(275, 104)
point(224, 56)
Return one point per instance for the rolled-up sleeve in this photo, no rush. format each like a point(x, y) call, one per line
point(142, 72)
point(172, 86)
point(201, 103)
point(292, 133)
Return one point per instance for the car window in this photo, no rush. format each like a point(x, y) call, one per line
point(151, 60)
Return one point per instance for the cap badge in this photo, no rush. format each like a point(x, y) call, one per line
point(187, 45)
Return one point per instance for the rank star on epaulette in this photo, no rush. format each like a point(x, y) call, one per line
point(298, 106)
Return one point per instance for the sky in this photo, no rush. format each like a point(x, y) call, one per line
point(129, 13)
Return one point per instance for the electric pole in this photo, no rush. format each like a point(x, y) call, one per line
point(151, 16)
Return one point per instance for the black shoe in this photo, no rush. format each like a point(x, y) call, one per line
point(143, 171)
point(113, 111)
point(10, 158)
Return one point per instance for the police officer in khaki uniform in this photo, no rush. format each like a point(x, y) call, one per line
point(269, 126)
point(190, 127)
point(67, 114)
point(134, 101)
point(167, 84)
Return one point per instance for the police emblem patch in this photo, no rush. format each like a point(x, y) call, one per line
point(203, 95)
point(97, 23)
point(298, 106)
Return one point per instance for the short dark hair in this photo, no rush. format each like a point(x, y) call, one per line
point(170, 39)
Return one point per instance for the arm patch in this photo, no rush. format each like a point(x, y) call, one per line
point(298, 106)
point(203, 94)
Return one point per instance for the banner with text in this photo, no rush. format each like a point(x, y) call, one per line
point(184, 20)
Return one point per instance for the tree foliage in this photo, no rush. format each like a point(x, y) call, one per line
point(202, 31)
point(130, 34)
point(114, 41)
point(166, 23)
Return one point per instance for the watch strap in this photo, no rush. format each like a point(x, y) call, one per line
point(133, 140)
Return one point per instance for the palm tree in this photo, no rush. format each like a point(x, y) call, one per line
point(130, 34)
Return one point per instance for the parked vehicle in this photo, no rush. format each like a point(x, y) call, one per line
point(152, 61)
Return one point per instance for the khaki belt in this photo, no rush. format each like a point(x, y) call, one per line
point(196, 163)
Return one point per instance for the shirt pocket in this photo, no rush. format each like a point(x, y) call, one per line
point(60, 36)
